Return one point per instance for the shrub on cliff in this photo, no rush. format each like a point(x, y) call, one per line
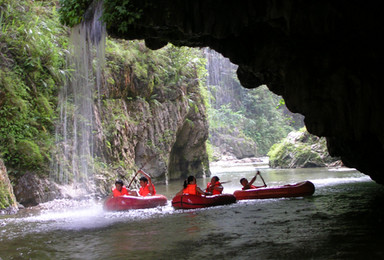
point(32, 61)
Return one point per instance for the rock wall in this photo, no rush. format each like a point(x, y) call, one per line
point(324, 58)
point(32, 190)
point(166, 137)
point(239, 147)
point(300, 149)
point(161, 127)
point(7, 198)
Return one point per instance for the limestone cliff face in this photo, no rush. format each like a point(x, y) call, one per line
point(239, 147)
point(165, 137)
point(163, 128)
point(324, 58)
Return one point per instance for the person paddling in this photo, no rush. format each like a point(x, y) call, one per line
point(248, 185)
point(146, 186)
point(214, 187)
point(190, 187)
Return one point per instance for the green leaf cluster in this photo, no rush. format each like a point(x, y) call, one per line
point(120, 12)
point(72, 11)
point(32, 61)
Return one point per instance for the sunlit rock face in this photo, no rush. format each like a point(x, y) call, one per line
point(324, 57)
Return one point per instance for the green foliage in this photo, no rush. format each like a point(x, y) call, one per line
point(226, 119)
point(255, 117)
point(270, 123)
point(72, 11)
point(210, 152)
point(30, 152)
point(31, 70)
point(305, 154)
point(121, 12)
point(157, 72)
point(279, 153)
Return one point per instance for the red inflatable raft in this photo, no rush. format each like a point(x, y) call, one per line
point(300, 189)
point(133, 202)
point(194, 201)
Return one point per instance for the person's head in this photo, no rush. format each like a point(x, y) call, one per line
point(214, 179)
point(190, 180)
point(243, 181)
point(119, 184)
point(143, 181)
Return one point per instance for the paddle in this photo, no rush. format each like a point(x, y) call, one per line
point(262, 180)
point(129, 185)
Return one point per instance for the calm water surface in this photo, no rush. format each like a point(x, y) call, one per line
point(342, 220)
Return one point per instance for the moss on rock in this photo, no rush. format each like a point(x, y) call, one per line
point(300, 150)
point(7, 198)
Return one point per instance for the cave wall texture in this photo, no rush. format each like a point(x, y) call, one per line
point(323, 57)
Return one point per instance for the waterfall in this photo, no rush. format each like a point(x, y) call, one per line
point(74, 156)
point(221, 81)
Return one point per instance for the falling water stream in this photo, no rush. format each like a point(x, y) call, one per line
point(221, 78)
point(73, 160)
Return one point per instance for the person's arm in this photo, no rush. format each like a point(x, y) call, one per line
point(146, 175)
point(200, 191)
point(219, 188)
point(253, 179)
point(132, 193)
point(214, 187)
point(248, 186)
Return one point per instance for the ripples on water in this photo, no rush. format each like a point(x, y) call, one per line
point(342, 220)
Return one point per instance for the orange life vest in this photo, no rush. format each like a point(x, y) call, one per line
point(117, 193)
point(191, 189)
point(252, 187)
point(144, 191)
point(214, 192)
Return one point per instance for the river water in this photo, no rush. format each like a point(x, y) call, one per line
point(342, 220)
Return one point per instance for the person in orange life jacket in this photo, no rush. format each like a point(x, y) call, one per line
point(120, 189)
point(214, 187)
point(147, 188)
point(190, 187)
point(248, 185)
